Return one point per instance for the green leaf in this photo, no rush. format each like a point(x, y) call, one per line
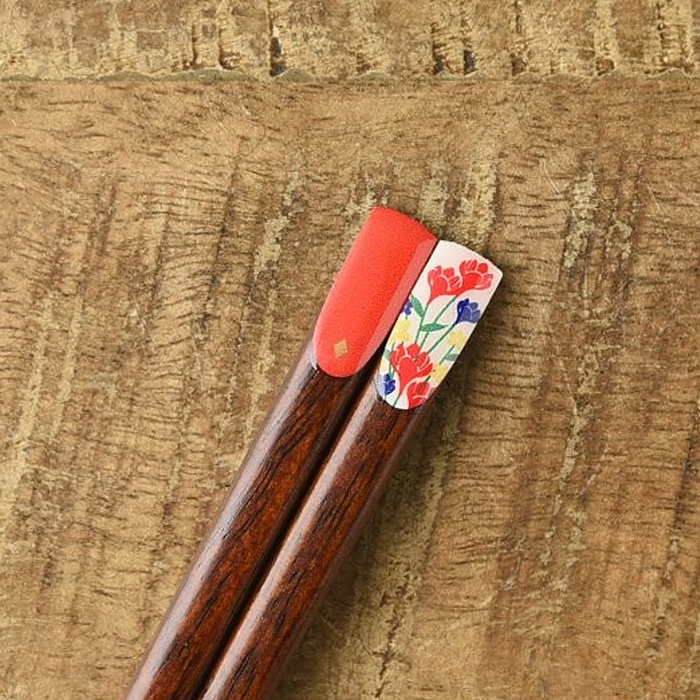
point(415, 302)
point(451, 356)
point(387, 353)
point(432, 327)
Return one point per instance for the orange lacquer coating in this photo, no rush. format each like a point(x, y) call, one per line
point(381, 268)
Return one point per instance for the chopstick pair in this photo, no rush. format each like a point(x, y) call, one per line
point(231, 628)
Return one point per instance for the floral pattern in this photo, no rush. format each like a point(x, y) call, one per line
point(437, 319)
point(402, 329)
point(389, 385)
point(443, 281)
point(468, 311)
point(409, 363)
point(475, 275)
point(417, 393)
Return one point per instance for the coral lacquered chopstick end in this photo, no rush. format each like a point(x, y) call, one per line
point(388, 255)
point(438, 317)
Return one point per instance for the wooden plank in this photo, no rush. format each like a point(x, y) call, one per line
point(68, 39)
point(156, 281)
point(323, 39)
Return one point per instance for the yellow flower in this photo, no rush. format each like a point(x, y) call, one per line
point(457, 339)
point(402, 330)
point(438, 373)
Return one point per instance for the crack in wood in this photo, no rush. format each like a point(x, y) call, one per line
point(276, 60)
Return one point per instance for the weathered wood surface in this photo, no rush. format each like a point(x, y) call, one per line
point(165, 246)
point(339, 39)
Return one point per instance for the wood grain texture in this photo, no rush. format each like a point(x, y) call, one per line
point(348, 38)
point(350, 482)
point(271, 482)
point(540, 541)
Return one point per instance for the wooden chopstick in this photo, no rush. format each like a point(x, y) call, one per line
point(352, 479)
point(355, 472)
point(255, 511)
point(279, 467)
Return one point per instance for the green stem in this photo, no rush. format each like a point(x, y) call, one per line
point(452, 347)
point(399, 391)
point(438, 317)
point(440, 339)
point(420, 323)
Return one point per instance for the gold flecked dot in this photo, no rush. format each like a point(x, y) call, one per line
point(341, 348)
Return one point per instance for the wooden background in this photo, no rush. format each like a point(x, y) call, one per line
point(171, 217)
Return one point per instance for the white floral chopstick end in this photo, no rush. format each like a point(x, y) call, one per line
point(440, 314)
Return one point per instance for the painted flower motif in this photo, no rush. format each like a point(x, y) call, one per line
point(410, 363)
point(418, 393)
point(468, 311)
point(439, 372)
point(444, 281)
point(475, 275)
point(402, 330)
point(457, 339)
point(389, 384)
point(436, 320)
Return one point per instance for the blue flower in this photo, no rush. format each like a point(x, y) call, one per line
point(408, 307)
point(468, 311)
point(389, 384)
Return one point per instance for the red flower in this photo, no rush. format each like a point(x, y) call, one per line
point(475, 275)
point(443, 281)
point(410, 363)
point(418, 393)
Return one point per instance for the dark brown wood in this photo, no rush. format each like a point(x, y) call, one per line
point(270, 484)
point(350, 482)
